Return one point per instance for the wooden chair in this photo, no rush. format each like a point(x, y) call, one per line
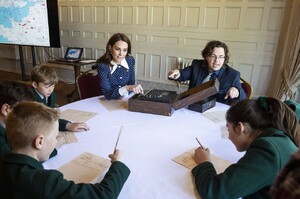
point(88, 84)
point(247, 87)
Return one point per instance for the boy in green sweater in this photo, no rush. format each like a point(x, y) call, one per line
point(32, 129)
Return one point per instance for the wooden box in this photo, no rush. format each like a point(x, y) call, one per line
point(184, 99)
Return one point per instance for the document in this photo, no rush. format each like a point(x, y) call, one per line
point(76, 115)
point(187, 160)
point(85, 168)
point(216, 116)
point(68, 136)
point(114, 105)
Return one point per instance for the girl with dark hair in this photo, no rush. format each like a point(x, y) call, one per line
point(116, 68)
point(268, 131)
point(214, 65)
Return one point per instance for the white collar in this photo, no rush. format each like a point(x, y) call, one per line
point(114, 66)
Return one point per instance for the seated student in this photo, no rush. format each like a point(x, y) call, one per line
point(287, 184)
point(214, 65)
point(116, 68)
point(11, 93)
point(268, 131)
point(294, 106)
point(32, 129)
point(44, 78)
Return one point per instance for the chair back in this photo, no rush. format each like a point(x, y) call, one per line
point(88, 84)
point(247, 87)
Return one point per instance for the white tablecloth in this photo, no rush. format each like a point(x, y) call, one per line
point(149, 143)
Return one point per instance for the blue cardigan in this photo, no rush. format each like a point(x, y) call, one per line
point(110, 83)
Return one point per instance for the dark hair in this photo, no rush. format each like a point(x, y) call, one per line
point(106, 58)
point(265, 112)
point(209, 48)
point(13, 92)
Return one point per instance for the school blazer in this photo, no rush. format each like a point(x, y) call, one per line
point(23, 177)
point(252, 176)
point(52, 104)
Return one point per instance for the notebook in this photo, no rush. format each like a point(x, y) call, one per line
point(73, 54)
point(157, 95)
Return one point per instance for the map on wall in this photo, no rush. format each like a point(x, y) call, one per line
point(24, 22)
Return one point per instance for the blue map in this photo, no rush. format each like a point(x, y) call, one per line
point(24, 22)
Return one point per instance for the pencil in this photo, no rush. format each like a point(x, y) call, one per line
point(118, 139)
point(199, 143)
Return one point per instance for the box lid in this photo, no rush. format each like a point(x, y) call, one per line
point(196, 94)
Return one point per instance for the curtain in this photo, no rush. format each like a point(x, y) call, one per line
point(290, 74)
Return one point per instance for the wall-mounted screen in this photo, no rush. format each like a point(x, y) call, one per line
point(29, 22)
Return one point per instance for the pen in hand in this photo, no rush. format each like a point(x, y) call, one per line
point(200, 143)
point(118, 139)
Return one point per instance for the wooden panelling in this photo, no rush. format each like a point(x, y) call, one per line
point(163, 30)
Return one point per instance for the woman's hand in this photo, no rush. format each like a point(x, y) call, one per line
point(135, 88)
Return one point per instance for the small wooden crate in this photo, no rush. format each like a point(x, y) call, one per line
point(184, 99)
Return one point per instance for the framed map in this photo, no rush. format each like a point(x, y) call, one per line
point(29, 22)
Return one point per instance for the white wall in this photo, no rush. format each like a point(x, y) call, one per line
point(162, 30)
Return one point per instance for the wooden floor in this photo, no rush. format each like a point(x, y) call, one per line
point(61, 89)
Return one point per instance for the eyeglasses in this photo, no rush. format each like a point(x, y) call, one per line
point(214, 57)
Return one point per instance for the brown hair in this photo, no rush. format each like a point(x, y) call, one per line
point(13, 92)
point(106, 58)
point(265, 112)
point(44, 74)
point(28, 119)
point(209, 48)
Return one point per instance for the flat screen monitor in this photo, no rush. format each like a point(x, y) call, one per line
point(29, 22)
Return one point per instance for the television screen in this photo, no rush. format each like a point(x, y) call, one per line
point(29, 22)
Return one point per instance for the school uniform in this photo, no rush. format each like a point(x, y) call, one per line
point(228, 77)
point(51, 102)
point(114, 77)
point(4, 145)
point(23, 177)
point(252, 176)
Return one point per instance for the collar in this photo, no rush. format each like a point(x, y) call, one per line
point(41, 96)
point(216, 72)
point(114, 66)
point(2, 124)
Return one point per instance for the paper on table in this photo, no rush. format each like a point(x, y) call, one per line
point(114, 105)
point(224, 132)
point(217, 116)
point(85, 168)
point(68, 136)
point(76, 115)
point(187, 160)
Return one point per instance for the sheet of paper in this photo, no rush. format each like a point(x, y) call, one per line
point(224, 132)
point(113, 105)
point(68, 136)
point(85, 168)
point(187, 160)
point(217, 116)
point(76, 115)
